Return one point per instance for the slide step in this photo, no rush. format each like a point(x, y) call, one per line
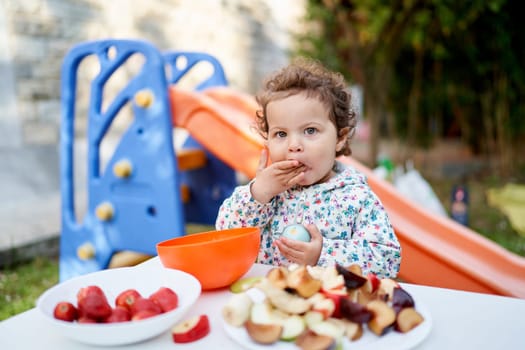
point(185, 193)
point(191, 159)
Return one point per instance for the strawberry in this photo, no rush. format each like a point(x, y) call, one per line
point(85, 319)
point(166, 298)
point(335, 295)
point(65, 311)
point(142, 314)
point(127, 298)
point(89, 290)
point(119, 314)
point(142, 304)
point(94, 306)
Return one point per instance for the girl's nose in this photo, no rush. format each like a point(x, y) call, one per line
point(295, 146)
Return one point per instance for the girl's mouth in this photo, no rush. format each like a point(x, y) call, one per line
point(301, 164)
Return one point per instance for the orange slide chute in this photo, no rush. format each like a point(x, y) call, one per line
point(221, 121)
point(436, 251)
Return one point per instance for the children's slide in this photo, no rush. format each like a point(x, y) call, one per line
point(436, 251)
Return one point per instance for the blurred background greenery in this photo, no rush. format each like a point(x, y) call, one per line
point(430, 70)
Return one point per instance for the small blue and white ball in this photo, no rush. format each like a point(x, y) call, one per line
point(297, 232)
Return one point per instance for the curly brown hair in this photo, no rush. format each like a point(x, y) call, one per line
point(310, 76)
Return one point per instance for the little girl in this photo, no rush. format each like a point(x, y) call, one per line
point(307, 122)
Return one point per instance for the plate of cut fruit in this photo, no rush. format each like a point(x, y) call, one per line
point(305, 307)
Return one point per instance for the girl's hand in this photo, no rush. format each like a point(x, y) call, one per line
point(302, 253)
point(275, 178)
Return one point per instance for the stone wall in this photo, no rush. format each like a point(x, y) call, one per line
point(249, 37)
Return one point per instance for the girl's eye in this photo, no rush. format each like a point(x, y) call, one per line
point(280, 134)
point(310, 131)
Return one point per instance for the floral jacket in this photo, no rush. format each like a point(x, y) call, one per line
point(351, 218)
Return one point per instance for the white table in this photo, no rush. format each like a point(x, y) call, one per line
point(461, 320)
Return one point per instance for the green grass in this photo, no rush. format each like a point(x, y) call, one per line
point(21, 285)
point(484, 219)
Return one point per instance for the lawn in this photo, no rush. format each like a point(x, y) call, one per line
point(484, 219)
point(21, 285)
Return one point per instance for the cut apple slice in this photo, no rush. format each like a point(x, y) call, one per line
point(302, 282)
point(244, 284)
point(191, 329)
point(293, 326)
point(355, 268)
point(262, 313)
point(325, 306)
point(363, 297)
point(263, 333)
point(330, 328)
point(372, 283)
point(312, 317)
point(277, 276)
point(331, 279)
point(317, 271)
point(383, 316)
point(283, 300)
point(408, 319)
point(385, 290)
point(353, 331)
point(335, 295)
point(352, 280)
point(309, 340)
point(315, 298)
point(237, 310)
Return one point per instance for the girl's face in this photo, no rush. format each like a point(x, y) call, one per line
point(299, 129)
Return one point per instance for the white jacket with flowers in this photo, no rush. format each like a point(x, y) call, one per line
point(351, 218)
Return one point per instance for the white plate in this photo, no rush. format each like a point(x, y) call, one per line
point(112, 282)
point(369, 341)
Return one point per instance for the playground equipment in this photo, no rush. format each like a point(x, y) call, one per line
point(146, 193)
point(436, 250)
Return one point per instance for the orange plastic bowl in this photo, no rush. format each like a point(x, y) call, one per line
point(215, 258)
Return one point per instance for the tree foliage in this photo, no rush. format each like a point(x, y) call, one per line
point(429, 68)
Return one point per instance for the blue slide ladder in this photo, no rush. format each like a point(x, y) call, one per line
point(136, 201)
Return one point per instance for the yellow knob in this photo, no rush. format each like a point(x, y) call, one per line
point(122, 168)
point(105, 211)
point(86, 251)
point(144, 98)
